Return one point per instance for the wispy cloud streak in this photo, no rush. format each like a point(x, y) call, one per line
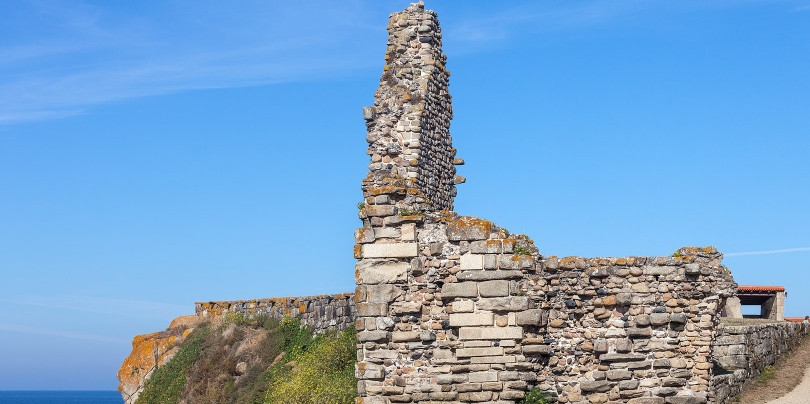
point(60, 333)
point(768, 252)
point(117, 307)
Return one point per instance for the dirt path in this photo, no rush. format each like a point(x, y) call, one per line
point(788, 384)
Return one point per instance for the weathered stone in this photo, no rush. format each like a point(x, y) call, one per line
point(532, 317)
point(471, 319)
point(459, 289)
point(380, 271)
point(393, 250)
point(493, 288)
point(512, 303)
point(598, 386)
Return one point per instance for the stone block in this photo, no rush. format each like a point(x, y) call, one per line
point(371, 309)
point(647, 400)
point(493, 333)
point(471, 319)
point(392, 250)
point(463, 306)
point(472, 261)
point(475, 397)
point(595, 386)
point(386, 232)
point(373, 336)
point(476, 275)
point(628, 357)
point(659, 270)
point(513, 303)
point(618, 374)
point(493, 288)
point(468, 228)
point(733, 362)
point(635, 332)
point(408, 232)
point(380, 271)
point(468, 352)
point(459, 289)
point(409, 307)
point(536, 350)
point(482, 377)
point(364, 235)
point(380, 210)
point(405, 336)
point(382, 294)
point(536, 317)
point(370, 371)
point(659, 318)
point(678, 318)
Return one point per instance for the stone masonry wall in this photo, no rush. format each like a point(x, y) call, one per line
point(322, 312)
point(409, 124)
point(742, 352)
point(455, 308)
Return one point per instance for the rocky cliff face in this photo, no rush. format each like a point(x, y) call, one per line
point(150, 351)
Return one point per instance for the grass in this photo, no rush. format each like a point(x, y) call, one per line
point(256, 360)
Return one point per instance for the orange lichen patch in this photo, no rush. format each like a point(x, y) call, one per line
point(572, 262)
point(469, 228)
point(150, 351)
point(493, 244)
point(358, 251)
point(302, 308)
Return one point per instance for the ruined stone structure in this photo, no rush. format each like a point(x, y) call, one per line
point(455, 308)
point(452, 308)
point(321, 312)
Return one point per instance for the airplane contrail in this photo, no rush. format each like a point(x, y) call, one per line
point(782, 251)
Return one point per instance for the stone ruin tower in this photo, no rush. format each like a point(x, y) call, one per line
point(454, 308)
point(409, 124)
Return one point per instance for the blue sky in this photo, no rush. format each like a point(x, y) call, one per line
point(154, 154)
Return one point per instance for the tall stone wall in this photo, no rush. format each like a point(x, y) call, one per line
point(455, 308)
point(742, 352)
point(321, 312)
point(409, 124)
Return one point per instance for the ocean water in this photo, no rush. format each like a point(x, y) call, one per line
point(60, 397)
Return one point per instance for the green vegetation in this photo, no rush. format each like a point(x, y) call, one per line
point(256, 360)
point(169, 381)
point(767, 374)
point(677, 254)
point(361, 205)
point(409, 212)
point(536, 396)
point(521, 250)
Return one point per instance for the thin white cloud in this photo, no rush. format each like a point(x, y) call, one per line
point(767, 252)
point(117, 307)
point(60, 333)
point(78, 56)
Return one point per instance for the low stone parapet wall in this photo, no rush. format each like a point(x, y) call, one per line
point(321, 312)
point(742, 352)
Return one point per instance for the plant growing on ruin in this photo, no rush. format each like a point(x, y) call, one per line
point(521, 250)
point(361, 205)
point(677, 254)
point(409, 212)
point(536, 396)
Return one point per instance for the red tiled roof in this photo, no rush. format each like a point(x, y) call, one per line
point(794, 319)
point(758, 288)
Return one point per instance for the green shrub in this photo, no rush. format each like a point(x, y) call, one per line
point(536, 396)
point(321, 371)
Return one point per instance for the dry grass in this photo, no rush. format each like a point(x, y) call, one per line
point(785, 375)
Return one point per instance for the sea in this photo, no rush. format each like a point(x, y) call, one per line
point(60, 397)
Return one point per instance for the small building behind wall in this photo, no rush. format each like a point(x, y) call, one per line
point(770, 299)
